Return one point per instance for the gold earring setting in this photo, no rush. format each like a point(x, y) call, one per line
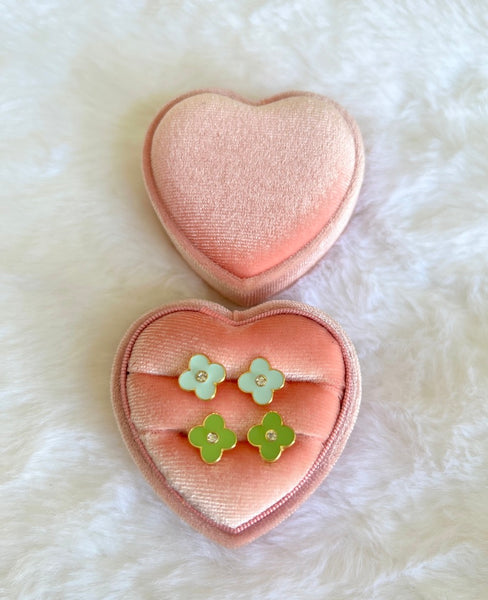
point(261, 381)
point(202, 377)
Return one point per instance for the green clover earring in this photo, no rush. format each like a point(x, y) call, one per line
point(212, 438)
point(202, 377)
point(271, 436)
point(261, 381)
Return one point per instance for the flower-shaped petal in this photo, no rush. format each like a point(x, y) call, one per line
point(259, 365)
point(261, 381)
point(197, 436)
point(214, 422)
point(228, 439)
point(272, 420)
point(212, 438)
point(271, 436)
point(262, 396)
point(187, 381)
point(206, 390)
point(216, 372)
point(271, 451)
point(246, 382)
point(276, 379)
point(199, 362)
point(255, 435)
point(202, 377)
point(211, 453)
point(286, 436)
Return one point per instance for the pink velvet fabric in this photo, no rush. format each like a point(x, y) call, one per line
point(232, 500)
point(253, 194)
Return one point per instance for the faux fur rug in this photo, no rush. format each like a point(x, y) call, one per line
point(404, 513)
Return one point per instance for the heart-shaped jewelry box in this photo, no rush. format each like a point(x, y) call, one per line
point(236, 417)
point(243, 495)
point(252, 194)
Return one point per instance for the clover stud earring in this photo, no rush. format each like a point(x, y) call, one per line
point(261, 381)
point(272, 436)
point(202, 377)
point(212, 438)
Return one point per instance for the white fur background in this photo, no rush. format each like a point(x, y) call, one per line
point(404, 514)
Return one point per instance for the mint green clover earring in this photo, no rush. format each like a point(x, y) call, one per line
point(202, 377)
point(261, 381)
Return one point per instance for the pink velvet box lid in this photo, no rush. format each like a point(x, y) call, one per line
point(253, 194)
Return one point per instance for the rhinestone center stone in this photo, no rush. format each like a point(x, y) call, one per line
point(212, 437)
point(201, 376)
point(261, 380)
point(271, 435)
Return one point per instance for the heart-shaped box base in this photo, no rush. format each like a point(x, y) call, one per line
point(242, 496)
